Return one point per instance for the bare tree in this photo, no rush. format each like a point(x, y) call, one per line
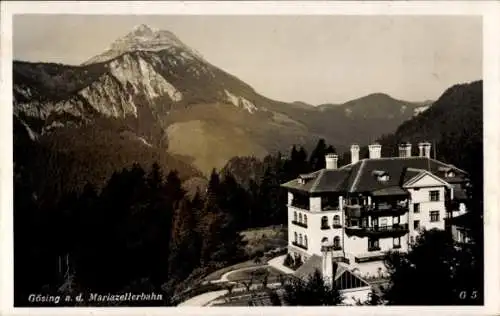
point(248, 283)
point(265, 279)
point(229, 287)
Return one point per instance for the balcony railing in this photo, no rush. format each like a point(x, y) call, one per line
point(383, 210)
point(302, 206)
point(397, 230)
point(296, 244)
point(325, 227)
point(331, 248)
point(326, 208)
point(355, 210)
point(299, 224)
point(377, 248)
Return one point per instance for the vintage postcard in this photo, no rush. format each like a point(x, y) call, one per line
point(257, 155)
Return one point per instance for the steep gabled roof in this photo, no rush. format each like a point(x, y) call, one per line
point(421, 173)
point(344, 278)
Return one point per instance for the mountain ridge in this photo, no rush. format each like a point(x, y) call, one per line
point(162, 95)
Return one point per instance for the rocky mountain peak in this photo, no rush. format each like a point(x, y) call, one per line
point(142, 30)
point(143, 38)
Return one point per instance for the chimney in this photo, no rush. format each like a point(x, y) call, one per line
point(331, 161)
point(405, 150)
point(354, 154)
point(374, 151)
point(424, 149)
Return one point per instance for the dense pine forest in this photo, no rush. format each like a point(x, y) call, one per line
point(142, 230)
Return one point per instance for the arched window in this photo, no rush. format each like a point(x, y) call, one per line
point(305, 219)
point(294, 216)
point(325, 239)
point(300, 217)
point(295, 235)
point(336, 242)
point(336, 220)
point(324, 222)
point(305, 241)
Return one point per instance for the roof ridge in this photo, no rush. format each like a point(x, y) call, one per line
point(448, 165)
point(394, 158)
point(356, 179)
point(316, 180)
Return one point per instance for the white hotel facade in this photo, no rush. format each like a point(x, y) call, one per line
point(354, 214)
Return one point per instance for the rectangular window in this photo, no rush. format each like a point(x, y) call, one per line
point(383, 222)
point(395, 220)
point(416, 208)
point(364, 222)
point(434, 216)
point(396, 242)
point(416, 224)
point(373, 245)
point(434, 195)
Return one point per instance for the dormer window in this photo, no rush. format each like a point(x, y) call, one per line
point(381, 175)
point(383, 178)
point(304, 178)
point(450, 174)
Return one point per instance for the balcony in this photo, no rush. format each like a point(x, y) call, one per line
point(303, 205)
point(331, 248)
point(397, 230)
point(383, 210)
point(377, 248)
point(299, 224)
point(330, 208)
point(325, 227)
point(296, 244)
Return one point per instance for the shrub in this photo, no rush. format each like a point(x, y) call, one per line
point(288, 262)
point(274, 297)
point(297, 262)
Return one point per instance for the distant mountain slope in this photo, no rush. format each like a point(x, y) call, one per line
point(357, 121)
point(153, 88)
point(67, 160)
point(454, 124)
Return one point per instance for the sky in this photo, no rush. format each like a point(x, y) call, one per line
point(314, 59)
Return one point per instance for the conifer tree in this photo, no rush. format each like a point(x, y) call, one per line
point(431, 273)
point(317, 158)
point(183, 243)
